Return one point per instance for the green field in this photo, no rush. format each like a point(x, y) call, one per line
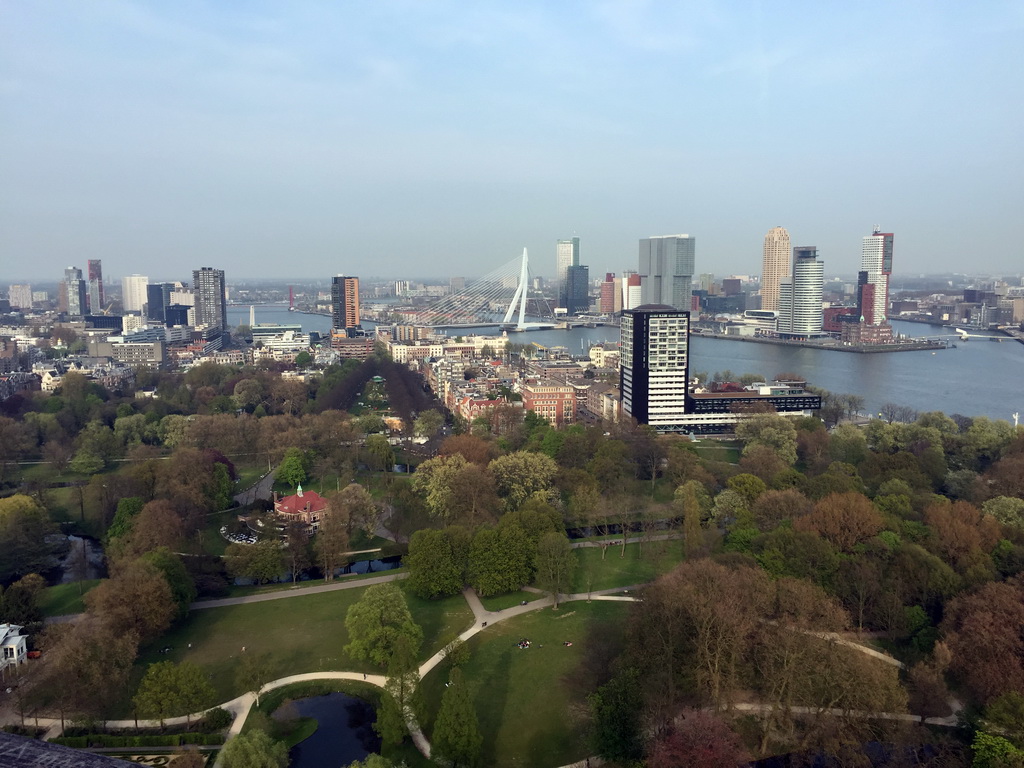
point(719, 450)
point(641, 563)
point(501, 602)
point(527, 713)
point(64, 599)
point(300, 634)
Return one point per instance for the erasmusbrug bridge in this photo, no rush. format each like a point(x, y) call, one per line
point(499, 298)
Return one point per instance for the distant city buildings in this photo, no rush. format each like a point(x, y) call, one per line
point(210, 298)
point(774, 266)
point(73, 296)
point(567, 254)
point(666, 270)
point(20, 296)
point(158, 298)
point(576, 296)
point(133, 292)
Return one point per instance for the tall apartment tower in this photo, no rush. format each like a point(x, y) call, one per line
point(97, 301)
point(158, 298)
point(20, 296)
point(666, 270)
point(133, 292)
point(567, 254)
point(800, 312)
point(344, 302)
point(208, 287)
point(655, 365)
point(73, 293)
point(774, 266)
point(873, 280)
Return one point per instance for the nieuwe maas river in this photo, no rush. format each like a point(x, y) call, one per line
point(977, 378)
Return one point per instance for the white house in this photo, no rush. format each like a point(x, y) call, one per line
point(12, 646)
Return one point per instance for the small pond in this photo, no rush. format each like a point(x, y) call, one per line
point(344, 732)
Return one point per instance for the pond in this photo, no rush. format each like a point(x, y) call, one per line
point(344, 731)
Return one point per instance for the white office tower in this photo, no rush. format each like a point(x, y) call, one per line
point(666, 270)
point(774, 266)
point(800, 308)
point(133, 292)
point(875, 269)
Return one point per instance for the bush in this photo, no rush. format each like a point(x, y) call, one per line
point(216, 720)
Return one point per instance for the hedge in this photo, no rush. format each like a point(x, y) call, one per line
point(106, 741)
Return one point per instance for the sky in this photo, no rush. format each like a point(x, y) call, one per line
point(415, 139)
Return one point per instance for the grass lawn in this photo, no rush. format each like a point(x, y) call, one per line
point(719, 450)
point(614, 570)
point(501, 602)
point(65, 598)
point(247, 476)
point(527, 713)
point(300, 634)
point(250, 589)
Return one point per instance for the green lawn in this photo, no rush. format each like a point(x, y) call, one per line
point(65, 598)
point(501, 602)
point(527, 714)
point(300, 634)
point(719, 450)
point(641, 563)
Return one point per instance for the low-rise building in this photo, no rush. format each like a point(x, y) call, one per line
point(553, 400)
point(305, 507)
point(13, 648)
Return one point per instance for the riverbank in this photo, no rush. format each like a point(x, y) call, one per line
point(831, 345)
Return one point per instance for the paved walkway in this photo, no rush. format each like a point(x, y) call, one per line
point(281, 594)
point(261, 489)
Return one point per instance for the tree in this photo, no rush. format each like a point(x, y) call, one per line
point(842, 519)
point(254, 672)
point(1007, 510)
point(158, 524)
point(556, 564)
point(521, 474)
point(402, 683)
point(434, 479)
point(20, 603)
point(437, 562)
point(428, 423)
point(292, 468)
point(770, 430)
point(136, 600)
point(183, 589)
point(24, 532)
point(173, 689)
point(254, 749)
point(376, 622)
point(381, 456)
point(698, 739)
point(298, 549)
point(773, 507)
point(456, 734)
point(616, 709)
point(260, 562)
point(332, 539)
point(500, 559)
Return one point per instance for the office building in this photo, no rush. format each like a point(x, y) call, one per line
point(567, 254)
point(210, 298)
point(873, 279)
point(630, 290)
point(20, 296)
point(158, 298)
point(344, 302)
point(133, 292)
point(800, 308)
point(606, 303)
point(774, 266)
point(73, 293)
point(666, 270)
point(654, 365)
point(577, 290)
point(97, 300)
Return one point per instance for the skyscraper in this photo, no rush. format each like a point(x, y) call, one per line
point(873, 280)
point(774, 266)
point(606, 304)
point(666, 270)
point(158, 298)
point(567, 254)
point(73, 292)
point(577, 289)
point(655, 364)
point(800, 312)
point(97, 301)
point(133, 292)
point(344, 302)
point(209, 290)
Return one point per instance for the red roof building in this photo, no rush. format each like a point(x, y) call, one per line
point(307, 507)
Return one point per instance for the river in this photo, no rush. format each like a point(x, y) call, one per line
point(976, 378)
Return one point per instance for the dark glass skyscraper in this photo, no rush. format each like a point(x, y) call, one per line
point(97, 301)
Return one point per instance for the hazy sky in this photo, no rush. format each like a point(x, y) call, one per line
point(296, 139)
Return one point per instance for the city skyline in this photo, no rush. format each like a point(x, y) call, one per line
point(283, 140)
